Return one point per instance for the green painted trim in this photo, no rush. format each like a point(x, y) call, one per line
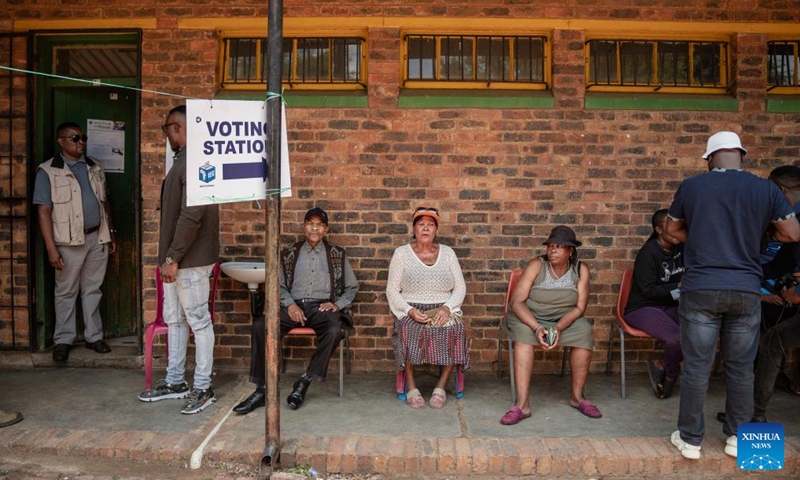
point(305, 99)
point(659, 102)
point(463, 99)
point(783, 104)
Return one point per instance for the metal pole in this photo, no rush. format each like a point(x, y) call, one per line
point(272, 214)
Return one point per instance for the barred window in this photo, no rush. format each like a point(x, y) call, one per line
point(483, 60)
point(782, 64)
point(657, 64)
point(324, 61)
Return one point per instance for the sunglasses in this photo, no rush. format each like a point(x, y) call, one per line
point(427, 209)
point(77, 138)
point(166, 126)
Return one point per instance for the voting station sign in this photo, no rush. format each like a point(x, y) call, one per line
point(227, 152)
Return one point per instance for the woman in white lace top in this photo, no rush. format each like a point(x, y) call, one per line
point(425, 290)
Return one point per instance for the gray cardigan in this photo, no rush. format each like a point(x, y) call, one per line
point(190, 235)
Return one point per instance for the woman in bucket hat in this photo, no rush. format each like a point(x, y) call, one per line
point(547, 309)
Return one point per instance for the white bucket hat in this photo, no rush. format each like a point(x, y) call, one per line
point(721, 141)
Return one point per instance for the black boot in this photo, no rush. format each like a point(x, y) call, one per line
point(298, 395)
point(255, 400)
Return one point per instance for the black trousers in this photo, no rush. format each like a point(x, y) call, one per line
point(329, 327)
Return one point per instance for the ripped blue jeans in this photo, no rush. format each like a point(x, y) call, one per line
point(185, 307)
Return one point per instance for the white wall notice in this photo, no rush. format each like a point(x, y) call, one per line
point(106, 143)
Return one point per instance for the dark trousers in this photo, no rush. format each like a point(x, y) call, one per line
point(774, 345)
point(329, 327)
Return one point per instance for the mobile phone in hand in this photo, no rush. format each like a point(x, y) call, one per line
point(550, 337)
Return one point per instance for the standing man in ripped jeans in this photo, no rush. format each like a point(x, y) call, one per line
point(188, 248)
point(317, 283)
point(721, 216)
point(78, 233)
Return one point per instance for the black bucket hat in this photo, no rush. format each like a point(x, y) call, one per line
point(563, 235)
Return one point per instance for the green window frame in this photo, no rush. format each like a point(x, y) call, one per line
point(475, 61)
point(308, 62)
point(657, 65)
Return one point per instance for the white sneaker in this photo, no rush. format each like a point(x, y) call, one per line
point(691, 452)
point(731, 446)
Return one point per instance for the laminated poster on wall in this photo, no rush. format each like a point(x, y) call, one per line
point(106, 143)
point(227, 152)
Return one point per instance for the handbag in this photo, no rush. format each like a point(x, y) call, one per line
point(455, 317)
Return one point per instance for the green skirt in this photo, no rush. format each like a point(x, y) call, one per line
point(580, 334)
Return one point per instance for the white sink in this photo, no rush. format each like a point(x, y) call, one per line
point(251, 273)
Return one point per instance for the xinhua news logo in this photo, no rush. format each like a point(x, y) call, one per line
point(760, 446)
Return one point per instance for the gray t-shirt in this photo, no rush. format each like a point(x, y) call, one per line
point(91, 207)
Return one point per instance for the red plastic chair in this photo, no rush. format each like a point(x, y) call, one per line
point(159, 327)
point(512, 285)
point(344, 349)
point(622, 326)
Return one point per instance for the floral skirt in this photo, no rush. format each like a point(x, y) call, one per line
point(418, 343)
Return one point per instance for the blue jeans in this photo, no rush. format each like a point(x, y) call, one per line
point(735, 317)
point(186, 306)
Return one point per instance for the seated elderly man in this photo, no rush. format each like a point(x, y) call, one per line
point(317, 284)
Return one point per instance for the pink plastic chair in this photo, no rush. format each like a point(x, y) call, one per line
point(159, 327)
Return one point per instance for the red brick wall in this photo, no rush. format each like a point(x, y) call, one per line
point(14, 300)
point(501, 177)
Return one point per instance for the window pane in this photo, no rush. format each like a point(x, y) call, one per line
point(673, 63)
point(493, 62)
point(242, 59)
point(286, 68)
point(603, 62)
point(782, 63)
point(421, 58)
point(96, 62)
point(313, 57)
point(706, 63)
point(455, 60)
point(636, 62)
point(346, 59)
point(529, 59)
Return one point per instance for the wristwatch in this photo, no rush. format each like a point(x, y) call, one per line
point(169, 261)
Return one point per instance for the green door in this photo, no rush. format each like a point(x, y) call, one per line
point(61, 100)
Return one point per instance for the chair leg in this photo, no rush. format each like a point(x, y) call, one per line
point(564, 361)
point(281, 362)
point(622, 361)
point(400, 385)
point(500, 353)
point(341, 367)
point(610, 344)
point(459, 381)
point(347, 349)
point(148, 359)
point(511, 368)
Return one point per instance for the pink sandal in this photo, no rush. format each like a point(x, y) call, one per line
point(414, 399)
point(439, 398)
point(513, 416)
point(589, 409)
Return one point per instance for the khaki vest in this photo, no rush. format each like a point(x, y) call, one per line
point(65, 193)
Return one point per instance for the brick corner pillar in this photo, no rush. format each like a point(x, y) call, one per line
point(383, 67)
point(569, 84)
point(748, 64)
